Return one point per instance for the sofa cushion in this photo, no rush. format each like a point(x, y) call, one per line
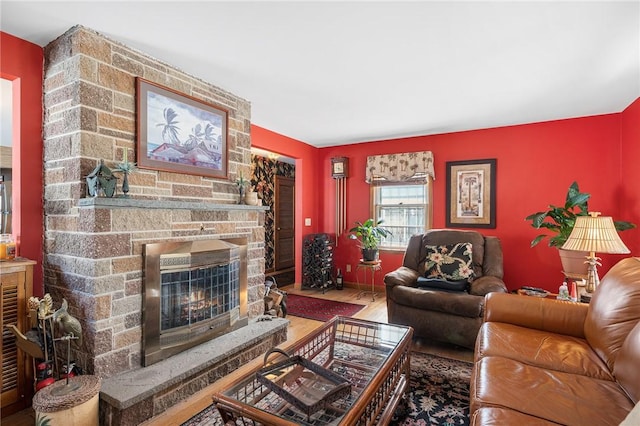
point(541, 349)
point(434, 326)
point(563, 398)
point(439, 284)
point(494, 416)
point(451, 262)
point(458, 303)
point(544, 314)
point(614, 309)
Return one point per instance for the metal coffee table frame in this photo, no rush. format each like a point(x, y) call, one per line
point(375, 357)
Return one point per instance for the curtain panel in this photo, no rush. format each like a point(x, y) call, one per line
point(408, 167)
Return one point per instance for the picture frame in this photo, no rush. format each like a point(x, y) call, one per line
point(179, 133)
point(471, 194)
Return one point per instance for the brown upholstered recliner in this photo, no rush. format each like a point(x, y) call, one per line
point(451, 317)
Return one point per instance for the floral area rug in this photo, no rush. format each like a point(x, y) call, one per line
point(439, 392)
point(438, 395)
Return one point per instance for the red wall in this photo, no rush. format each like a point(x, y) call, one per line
point(22, 63)
point(308, 185)
point(536, 163)
point(629, 196)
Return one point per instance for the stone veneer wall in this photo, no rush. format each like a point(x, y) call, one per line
point(93, 250)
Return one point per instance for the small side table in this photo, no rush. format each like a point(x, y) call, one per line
point(548, 295)
point(582, 297)
point(372, 267)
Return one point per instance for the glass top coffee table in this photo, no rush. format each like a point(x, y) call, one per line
point(373, 357)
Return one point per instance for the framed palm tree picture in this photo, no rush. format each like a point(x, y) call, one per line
point(179, 133)
point(471, 194)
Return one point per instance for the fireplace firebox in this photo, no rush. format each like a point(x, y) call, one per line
point(193, 291)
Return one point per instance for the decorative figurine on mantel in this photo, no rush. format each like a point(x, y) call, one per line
point(101, 180)
point(125, 168)
point(242, 186)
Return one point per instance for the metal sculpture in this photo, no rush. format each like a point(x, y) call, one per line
point(68, 325)
point(101, 179)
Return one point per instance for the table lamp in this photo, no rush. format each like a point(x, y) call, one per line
point(594, 233)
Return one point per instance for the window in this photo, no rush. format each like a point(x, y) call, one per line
point(405, 209)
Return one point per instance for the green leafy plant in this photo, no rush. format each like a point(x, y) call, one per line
point(242, 182)
point(125, 166)
point(560, 220)
point(369, 233)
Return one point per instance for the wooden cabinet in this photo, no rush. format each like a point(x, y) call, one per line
point(16, 380)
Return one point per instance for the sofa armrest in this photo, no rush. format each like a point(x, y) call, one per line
point(487, 284)
point(401, 276)
point(550, 315)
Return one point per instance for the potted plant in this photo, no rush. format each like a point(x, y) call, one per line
point(242, 184)
point(125, 168)
point(559, 220)
point(369, 233)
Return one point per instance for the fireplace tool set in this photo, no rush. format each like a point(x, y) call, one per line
point(42, 345)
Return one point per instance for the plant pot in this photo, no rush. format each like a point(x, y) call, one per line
point(573, 263)
point(369, 255)
point(251, 198)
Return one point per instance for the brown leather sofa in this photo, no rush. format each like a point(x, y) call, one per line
point(451, 317)
point(549, 362)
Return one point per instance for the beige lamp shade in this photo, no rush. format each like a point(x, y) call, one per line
point(595, 234)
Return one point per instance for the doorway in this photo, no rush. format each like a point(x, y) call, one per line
point(273, 178)
point(285, 255)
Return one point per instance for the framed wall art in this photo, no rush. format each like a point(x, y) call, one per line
point(179, 133)
point(471, 194)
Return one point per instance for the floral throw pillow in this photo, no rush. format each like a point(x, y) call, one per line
point(451, 262)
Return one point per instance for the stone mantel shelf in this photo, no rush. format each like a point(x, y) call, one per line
point(128, 203)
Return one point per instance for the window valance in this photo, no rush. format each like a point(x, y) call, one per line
point(407, 167)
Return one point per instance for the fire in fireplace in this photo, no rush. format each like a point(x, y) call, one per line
point(193, 291)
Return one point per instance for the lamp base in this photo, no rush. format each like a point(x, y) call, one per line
point(592, 273)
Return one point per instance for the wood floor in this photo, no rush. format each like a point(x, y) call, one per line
point(299, 327)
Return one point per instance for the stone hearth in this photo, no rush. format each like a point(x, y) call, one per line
point(133, 397)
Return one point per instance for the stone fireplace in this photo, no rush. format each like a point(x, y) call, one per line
point(95, 247)
point(193, 291)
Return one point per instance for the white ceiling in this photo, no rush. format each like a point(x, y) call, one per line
point(331, 73)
